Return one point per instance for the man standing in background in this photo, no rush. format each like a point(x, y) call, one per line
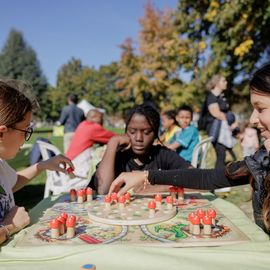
point(71, 117)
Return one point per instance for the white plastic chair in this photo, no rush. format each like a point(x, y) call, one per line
point(200, 152)
point(57, 182)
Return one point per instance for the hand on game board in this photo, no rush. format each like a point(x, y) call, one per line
point(130, 179)
point(58, 163)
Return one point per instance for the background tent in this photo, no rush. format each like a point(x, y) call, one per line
point(86, 107)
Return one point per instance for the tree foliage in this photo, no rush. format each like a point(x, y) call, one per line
point(228, 37)
point(19, 61)
point(155, 68)
point(96, 86)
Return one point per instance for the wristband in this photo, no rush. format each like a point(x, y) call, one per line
point(7, 231)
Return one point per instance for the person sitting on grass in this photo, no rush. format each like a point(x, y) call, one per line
point(184, 141)
point(134, 150)
point(15, 128)
point(254, 169)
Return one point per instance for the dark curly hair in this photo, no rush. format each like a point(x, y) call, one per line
point(150, 113)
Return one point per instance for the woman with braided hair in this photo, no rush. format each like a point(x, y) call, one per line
point(254, 169)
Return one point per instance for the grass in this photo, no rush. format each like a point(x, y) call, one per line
point(32, 193)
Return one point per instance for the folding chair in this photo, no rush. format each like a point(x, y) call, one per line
point(200, 152)
point(58, 182)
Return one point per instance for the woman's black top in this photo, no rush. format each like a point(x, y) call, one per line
point(222, 103)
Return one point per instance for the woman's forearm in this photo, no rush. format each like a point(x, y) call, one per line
point(207, 179)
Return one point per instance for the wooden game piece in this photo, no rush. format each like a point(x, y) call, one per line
point(207, 225)
point(121, 202)
point(89, 194)
point(127, 197)
point(158, 199)
point(201, 213)
point(70, 172)
point(61, 225)
point(212, 213)
point(107, 201)
point(114, 197)
point(71, 224)
point(196, 225)
point(152, 208)
point(54, 224)
point(65, 216)
point(169, 201)
point(180, 192)
point(80, 194)
point(88, 267)
point(73, 195)
point(173, 192)
point(190, 218)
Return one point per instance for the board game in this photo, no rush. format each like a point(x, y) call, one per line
point(173, 231)
point(134, 213)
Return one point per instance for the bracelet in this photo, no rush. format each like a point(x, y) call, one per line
point(146, 181)
point(7, 231)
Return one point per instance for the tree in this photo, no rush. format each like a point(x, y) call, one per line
point(19, 61)
point(228, 37)
point(156, 67)
point(96, 86)
point(102, 91)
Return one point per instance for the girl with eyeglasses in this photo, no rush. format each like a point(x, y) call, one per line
point(15, 118)
point(254, 169)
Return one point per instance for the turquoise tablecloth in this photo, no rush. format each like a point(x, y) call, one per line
point(254, 254)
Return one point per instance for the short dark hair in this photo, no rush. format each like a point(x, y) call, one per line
point(73, 98)
point(185, 108)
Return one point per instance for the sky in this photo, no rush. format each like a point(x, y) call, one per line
point(90, 30)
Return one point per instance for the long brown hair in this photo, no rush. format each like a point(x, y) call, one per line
point(260, 83)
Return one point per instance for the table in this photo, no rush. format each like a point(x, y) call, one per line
point(249, 255)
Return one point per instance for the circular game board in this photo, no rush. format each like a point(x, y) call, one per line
point(134, 213)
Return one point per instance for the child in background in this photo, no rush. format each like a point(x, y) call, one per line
point(253, 170)
point(249, 140)
point(170, 124)
point(184, 141)
point(15, 128)
point(135, 150)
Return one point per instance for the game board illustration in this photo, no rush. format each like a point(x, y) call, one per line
point(173, 231)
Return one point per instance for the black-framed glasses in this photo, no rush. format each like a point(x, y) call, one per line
point(27, 132)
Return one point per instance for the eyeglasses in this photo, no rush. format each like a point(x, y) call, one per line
point(27, 132)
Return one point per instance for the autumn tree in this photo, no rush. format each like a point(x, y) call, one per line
point(129, 77)
point(228, 37)
point(156, 64)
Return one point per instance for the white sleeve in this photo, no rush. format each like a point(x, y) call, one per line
point(8, 173)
